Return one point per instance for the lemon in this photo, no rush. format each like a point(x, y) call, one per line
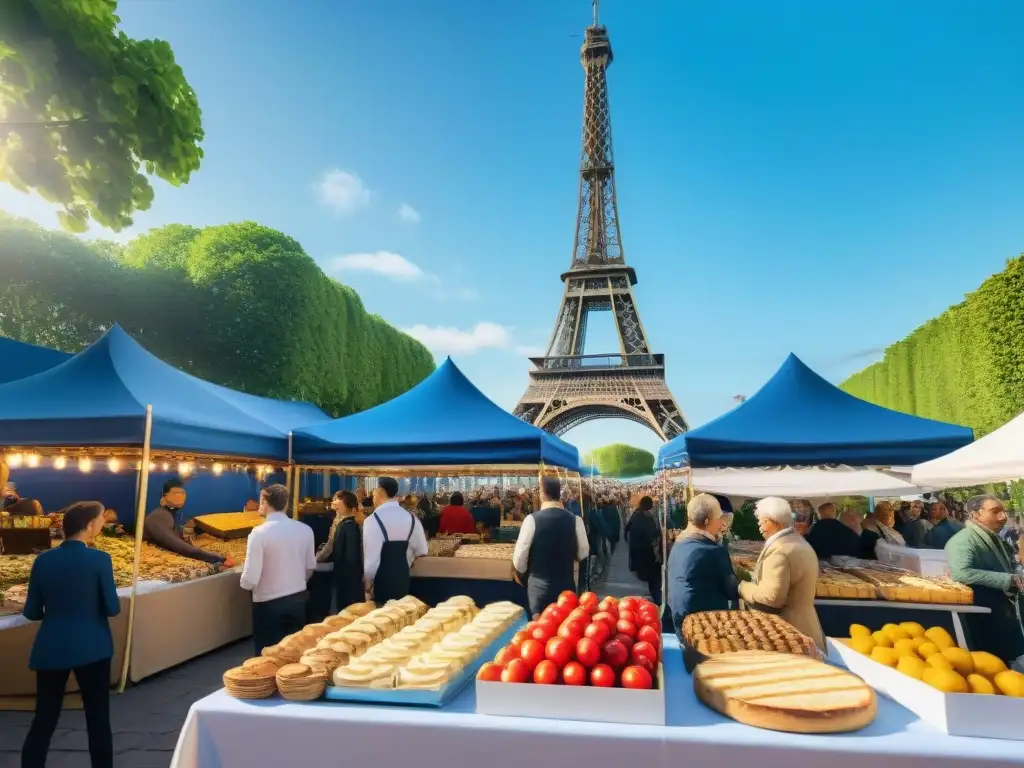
point(912, 628)
point(927, 649)
point(883, 655)
point(896, 632)
point(859, 630)
point(882, 639)
point(911, 666)
point(979, 684)
point(987, 664)
point(905, 647)
point(960, 659)
point(945, 680)
point(1010, 683)
point(940, 637)
point(862, 644)
point(938, 661)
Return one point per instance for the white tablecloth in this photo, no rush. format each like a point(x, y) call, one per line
point(16, 619)
point(221, 732)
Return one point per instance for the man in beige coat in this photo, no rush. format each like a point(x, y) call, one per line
point(786, 572)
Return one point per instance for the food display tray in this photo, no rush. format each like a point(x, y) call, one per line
point(563, 702)
point(419, 697)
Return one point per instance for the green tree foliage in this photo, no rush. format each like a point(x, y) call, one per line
point(86, 112)
point(618, 460)
point(965, 366)
point(241, 305)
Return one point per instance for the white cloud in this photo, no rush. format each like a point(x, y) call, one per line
point(408, 214)
point(453, 341)
point(391, 265)
point(343, 192)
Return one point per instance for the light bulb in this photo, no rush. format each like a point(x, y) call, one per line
point(166, 466)
point(152, 466)
point(85, 465)
point(114, 464)
point(184, 468)
point(33, 460)
point(60, 462)
point(14, 460)
point(217, 468)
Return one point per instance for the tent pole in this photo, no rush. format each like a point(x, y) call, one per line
point(140, 521)
point(297, 474)
point(664, 542)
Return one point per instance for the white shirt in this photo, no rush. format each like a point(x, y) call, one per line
point(396, 522)
point(521, 555)
point(280, 558)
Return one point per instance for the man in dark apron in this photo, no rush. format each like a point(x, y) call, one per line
point(551, 541)
point(392, 538)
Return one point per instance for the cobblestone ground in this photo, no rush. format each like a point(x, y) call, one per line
point(146, 718)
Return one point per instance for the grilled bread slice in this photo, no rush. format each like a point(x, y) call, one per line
point(784, 692)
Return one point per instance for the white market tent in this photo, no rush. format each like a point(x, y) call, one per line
point(995, 458)
point(803, 482)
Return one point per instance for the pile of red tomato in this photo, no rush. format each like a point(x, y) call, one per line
point(584, 641)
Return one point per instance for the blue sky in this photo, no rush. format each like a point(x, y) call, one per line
point(793, 176)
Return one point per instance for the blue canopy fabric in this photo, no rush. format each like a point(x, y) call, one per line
point(18, 359)
point(99, 397)
point(800, 419)
point(443, 421)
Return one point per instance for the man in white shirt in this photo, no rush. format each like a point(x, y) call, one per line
point(392, 538)
point(278, 562)
point(551, 541)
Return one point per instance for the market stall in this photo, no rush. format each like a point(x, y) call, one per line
point(21, 359)
point(995, 458)
point(115, 407)
point(443, 427)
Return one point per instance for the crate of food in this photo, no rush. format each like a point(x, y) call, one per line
point(835, 583)
point(904, 587)
point(228, 525)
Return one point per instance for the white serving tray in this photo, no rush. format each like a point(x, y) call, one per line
point(957, 714)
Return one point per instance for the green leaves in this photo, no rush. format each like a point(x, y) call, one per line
point(84, 109)
point(965, 366)
point(618, 460)
point(242, 305)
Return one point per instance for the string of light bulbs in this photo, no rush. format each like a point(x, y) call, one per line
point(115, 464)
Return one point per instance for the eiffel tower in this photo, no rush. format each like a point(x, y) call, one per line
point(568, 388)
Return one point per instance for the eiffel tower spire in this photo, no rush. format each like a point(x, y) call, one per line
point(568, 388)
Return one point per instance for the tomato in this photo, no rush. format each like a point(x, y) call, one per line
point(629, 604)
point(568, 600)
point(624, 627)
point(542, 633)
point(627, 616)
point(572, 629)
point(505, 655)
point(547, 673)
point(626, 641)
point(554, 614)
point(598, 631)
point(574, 674)
point(646, 663)
point(579, 613)
point(516, 671)
point(649, 635)
point(559, 650)
point(608, 604)
point(644, 650)
point(608, 618)
point(518, 638)
point(588, 599)
point(647, 605)
point(490, 672)
point(588, 652)
point(614, 654)
point(637, 678)
point(532, 652)
point(602, 676)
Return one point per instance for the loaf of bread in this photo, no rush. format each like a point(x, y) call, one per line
point(783, 692)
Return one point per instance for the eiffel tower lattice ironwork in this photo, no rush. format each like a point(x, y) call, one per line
point(567, 387)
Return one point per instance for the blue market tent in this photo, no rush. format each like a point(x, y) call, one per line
point(443, 421)
point(18, 359)
point(99, 398)
point(800, 419)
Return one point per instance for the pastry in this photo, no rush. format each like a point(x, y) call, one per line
point(714, 632)
point(242, 683)
point(365, 676)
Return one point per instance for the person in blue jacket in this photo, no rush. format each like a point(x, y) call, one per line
point(71, 591)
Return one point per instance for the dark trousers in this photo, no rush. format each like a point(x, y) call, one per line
point(321, 596)
point(654, 587)
point(274, 619)
point(94, 684)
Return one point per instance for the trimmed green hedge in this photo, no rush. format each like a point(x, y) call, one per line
point(965, 366)
point(241, 305)
point(618, 460)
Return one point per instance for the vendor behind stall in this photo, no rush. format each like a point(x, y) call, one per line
point(161, 528)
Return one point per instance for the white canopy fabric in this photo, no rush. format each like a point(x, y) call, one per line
point(803, 482)
point(995, 458)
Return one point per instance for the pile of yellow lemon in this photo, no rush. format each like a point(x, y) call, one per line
point(932, 655)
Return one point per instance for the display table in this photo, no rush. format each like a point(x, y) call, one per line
point(221, 732)
point(836, 616)
point(435, 579)
point(927, 562)
point(186, 620)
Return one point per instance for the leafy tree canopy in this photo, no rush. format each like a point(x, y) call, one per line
point(618, 460)
point(86, 111)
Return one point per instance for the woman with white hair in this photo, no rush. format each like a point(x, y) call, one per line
point(700, 574)
point(786, 573)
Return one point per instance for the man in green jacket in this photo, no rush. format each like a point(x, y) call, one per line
point(983, 561)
